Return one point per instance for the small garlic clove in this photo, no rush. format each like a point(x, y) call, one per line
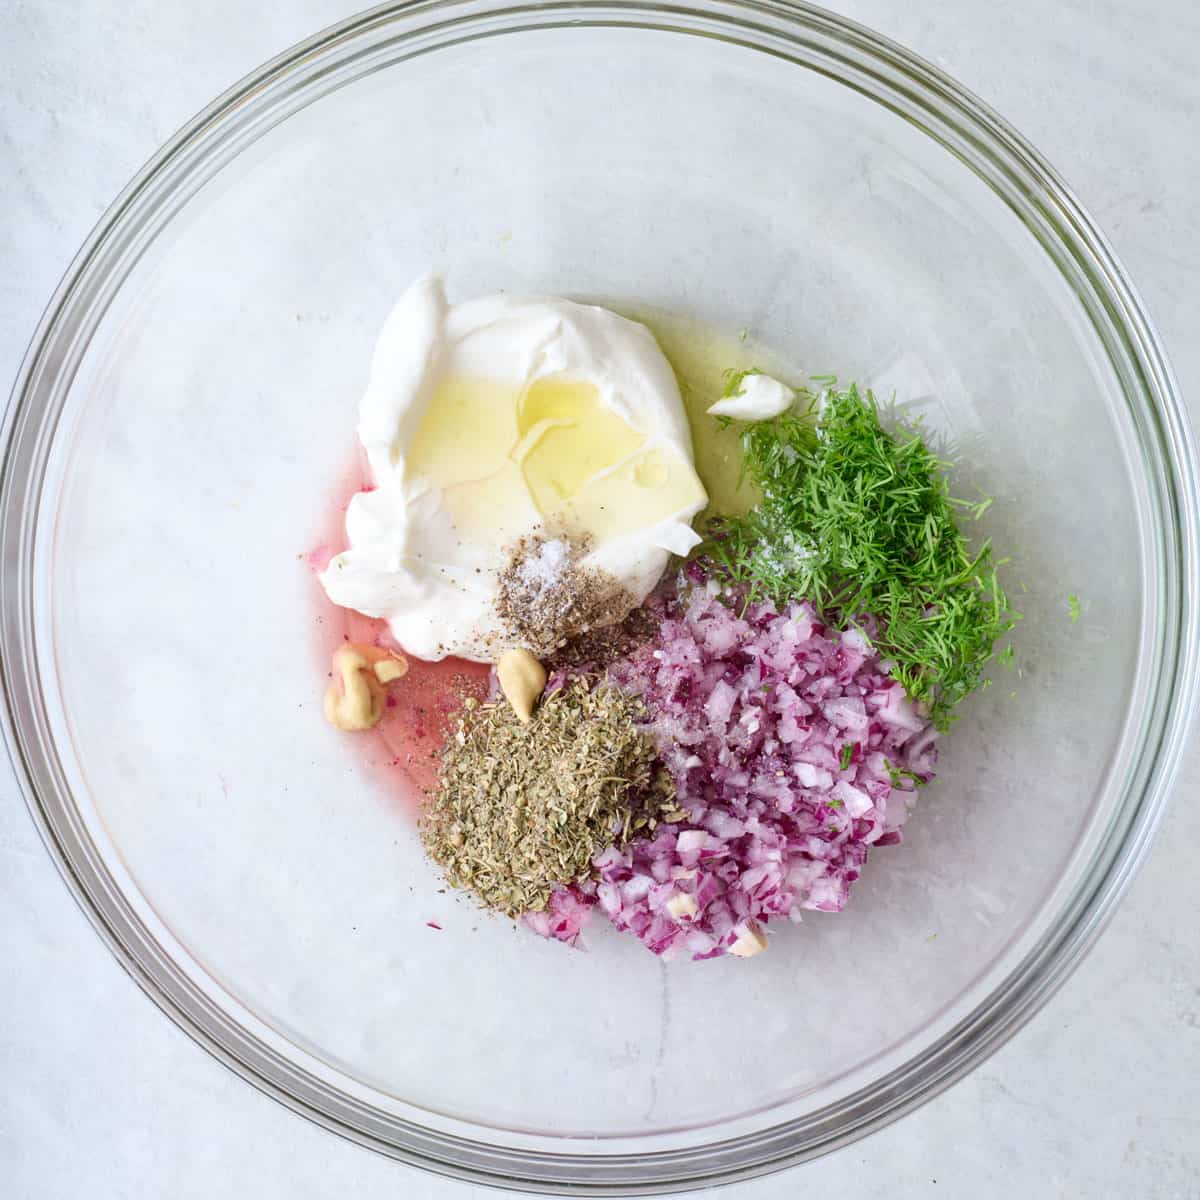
point(682, 907)
point(522, 680)
point(355, 700)
point(750, 940)
point(388, 670)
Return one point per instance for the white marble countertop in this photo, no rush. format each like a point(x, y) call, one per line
point(1098, 1097)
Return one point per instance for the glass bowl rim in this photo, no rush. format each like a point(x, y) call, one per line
point(962, 125)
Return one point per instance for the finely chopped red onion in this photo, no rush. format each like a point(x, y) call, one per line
point(793, 752)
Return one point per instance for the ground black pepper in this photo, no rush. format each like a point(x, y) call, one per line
point(546, 596)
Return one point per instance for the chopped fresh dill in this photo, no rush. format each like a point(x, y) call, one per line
point(899, 774)
point(733, 384)
point(1074, 608)
point(861, 523)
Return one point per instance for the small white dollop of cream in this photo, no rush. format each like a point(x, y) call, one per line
point(758, 398)
point(488, 420)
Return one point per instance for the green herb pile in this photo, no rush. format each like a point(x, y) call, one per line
point(861, 522)
point(522, 808)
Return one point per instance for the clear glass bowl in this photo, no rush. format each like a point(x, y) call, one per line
point(176, 436)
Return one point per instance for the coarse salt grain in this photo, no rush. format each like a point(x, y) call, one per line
point(547, 566)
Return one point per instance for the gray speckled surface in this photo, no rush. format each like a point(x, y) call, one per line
point(1098, 1097)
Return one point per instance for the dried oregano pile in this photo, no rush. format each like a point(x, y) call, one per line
point(522, 808)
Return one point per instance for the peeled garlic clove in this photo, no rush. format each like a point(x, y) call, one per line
point(522, 680)
point(355, 699)
point(388, 670)
point(750, 940)
point(682, 907)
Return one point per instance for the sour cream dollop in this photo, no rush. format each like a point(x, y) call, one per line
point(489, 420)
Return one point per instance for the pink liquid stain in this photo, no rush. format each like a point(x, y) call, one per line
point(320, 557)
point(421, 706)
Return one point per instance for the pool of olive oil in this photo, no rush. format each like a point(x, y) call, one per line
point(491, 452)
point(700, 356)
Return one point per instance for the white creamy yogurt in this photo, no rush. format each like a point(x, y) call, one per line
point(487, 420)
point(759, 397)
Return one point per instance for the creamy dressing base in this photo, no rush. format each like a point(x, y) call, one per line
point(487, 420)
point(424, 704)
